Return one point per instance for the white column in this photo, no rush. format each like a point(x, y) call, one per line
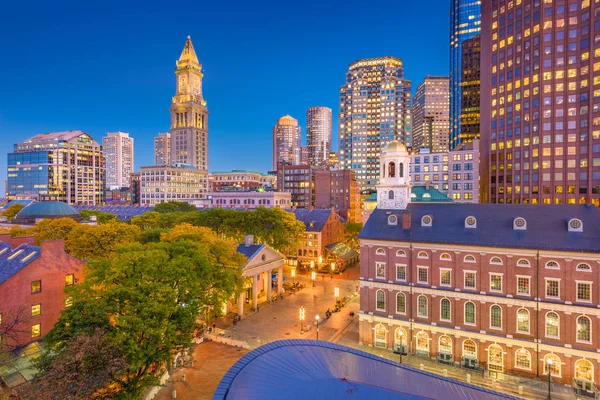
point(269, 285)
point(280, 280)
point(255, 291)
point(241, 301)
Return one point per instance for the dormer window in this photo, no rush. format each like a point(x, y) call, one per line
point(470, 222)
point(519, 224)
point(426, 220)
point(575, 225)
point(392, 220)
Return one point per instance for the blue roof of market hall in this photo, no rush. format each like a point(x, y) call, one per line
point(546, 226)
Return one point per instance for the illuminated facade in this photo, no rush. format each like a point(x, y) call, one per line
point(63, 166)
point(465, 23)
point(540, 125)
point(318, 135)
point(431, 114)
point(286, 142)
point(162, 149)
point(189, 115)
point(118, 155)
point(374, 110)
point(470, 88)
point(239, 179)
point(179, 182)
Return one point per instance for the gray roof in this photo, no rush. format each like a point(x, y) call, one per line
point(546, 226)
point(249, 251)
point(46, 209)
point(315, 219)
point(13, 261)
point(309, 369)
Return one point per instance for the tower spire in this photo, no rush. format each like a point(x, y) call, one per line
point(188, 55)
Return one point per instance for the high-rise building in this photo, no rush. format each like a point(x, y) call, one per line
point(162, 149)
point(470, 88)
point(63, 166)
point(189, 115)
point(286, 142)
point(465, 22)
point(118, 155)
point(304, 154)
point(540, 70)
point(374, 110)
point(318, 135)
point(177, 182)
point(430, 114)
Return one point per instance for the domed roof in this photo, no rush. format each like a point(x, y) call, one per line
point(287, 120)
point(46, 209)
point(395, 146)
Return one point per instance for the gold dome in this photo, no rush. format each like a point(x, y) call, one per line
point(287, 120)
point(395, 146)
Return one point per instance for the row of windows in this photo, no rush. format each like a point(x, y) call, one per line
point(523, 322)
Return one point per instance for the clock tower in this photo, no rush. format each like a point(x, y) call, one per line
point(189, 115)
point(393, 191)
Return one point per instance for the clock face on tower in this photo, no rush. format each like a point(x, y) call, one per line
point(182, 83)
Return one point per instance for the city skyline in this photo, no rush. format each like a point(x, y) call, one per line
point(134, 87)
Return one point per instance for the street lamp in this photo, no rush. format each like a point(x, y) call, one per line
point(312, 264)
point(336, 293)
point(294, 275)
point(301, 319)
point(320, 259)
point(313, 276)
point(317, 318)
point(549, 378)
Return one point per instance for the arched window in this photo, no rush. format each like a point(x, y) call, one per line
point(523, 359)
point(523, 263)
point(422, 255)
point(422, 310)
point(380, 336)
point(554, 365)
point(495, 358)
point(496, 316)
point(469, 259)
point(445, 344)
point(584, 267)
point(423, 342)
point(552, 265)
point(496, 261)
point(400, 338)
point(469, 312)
point(380, 300)
point(523, 320)
point(445, 312)
point(391, 170)
point(446, 257)
point(400, 253)
point(584, 329)
point(469, 349)
point(400, 303)
point(584, 370)
point(401, 170)
point(391, 195)
point(380, 252)
point(552, 325)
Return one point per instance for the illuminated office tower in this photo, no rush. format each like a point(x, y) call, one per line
point(465, 23)
point(118, 154)
point(470, 88)
point(430, 114)
point(318, 135)
point(286, 142)
point(540, 126)
point(162, 149)
point(374, 110)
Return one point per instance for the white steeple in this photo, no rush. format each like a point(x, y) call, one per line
point(393, 191)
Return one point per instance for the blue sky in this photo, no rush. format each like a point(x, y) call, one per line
point(107, 66)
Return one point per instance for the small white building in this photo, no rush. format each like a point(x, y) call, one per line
point(250, 199)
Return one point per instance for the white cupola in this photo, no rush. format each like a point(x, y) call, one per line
point(393, 191)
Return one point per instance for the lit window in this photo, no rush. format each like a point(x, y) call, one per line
point(445, 257)
point(470, 280)
point(380, 269)
point(523, 359)
point(554, 365)
point(584, 291)
point(422, 275)
point(552, 325)
point(36, 310)
point(495, 282)
point(523, 320)
point(68, 302)
point(69, 280)
point(552, 288)
point(36, 330)
point(445, 277)
point(36, 286)
point(469, 259)
point(523, 285)
point(552, 265)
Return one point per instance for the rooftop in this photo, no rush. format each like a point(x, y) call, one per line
point(308, 369)
point(46, 209)
point(13, 261)
point(249, 251)
point(315, 219)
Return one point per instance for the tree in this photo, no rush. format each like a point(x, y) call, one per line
point(12, 210)
point(146, 221)
point(152, 235)
point(88, 242)
point(101, 217)
point(150, 297)
point(14, 326)
point(351, 231)
point(52, 229)
point(172, 206)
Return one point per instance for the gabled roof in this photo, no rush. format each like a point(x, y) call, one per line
point(314, 220)
point(13, 261)
point(341, 250)
point(546, 227)
point(250, 251)
point(424, 194)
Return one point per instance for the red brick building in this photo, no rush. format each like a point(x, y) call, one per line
point(32, 283)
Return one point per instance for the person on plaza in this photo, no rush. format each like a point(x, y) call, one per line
point(214, 327)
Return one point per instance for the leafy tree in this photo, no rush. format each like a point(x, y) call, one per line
point(351, 231)
point(88, 242)
point(101, 217)
point(146, 221)
point(152, 235)
point(52, 229)
point(17, 231)
point(12, 210)
point(172, 206)
point(150, 297)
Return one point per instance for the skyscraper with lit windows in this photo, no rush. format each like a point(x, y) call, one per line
point(540, 126)
point(318, 135)
point(374, 110)
point(430, 109)
point(465, 23)
point(286, 142)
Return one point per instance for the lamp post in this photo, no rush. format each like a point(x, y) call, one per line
point(301, 319)
point(312, 264)
point(320, 259)
point(549, 378)
point(401, 346)
point(293, 275)
point(332, 269)
point(317, 318)
point(313, 276)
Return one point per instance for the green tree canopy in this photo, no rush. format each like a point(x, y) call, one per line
point(351, 231)
point(52, 229)
point(101, 217)
point(88, 242)
point(172, 206)
point(12, 210)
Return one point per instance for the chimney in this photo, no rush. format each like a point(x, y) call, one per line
point(406, 219)
point(248, 240)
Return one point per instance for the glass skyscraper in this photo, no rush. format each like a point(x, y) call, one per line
point(465, 22)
